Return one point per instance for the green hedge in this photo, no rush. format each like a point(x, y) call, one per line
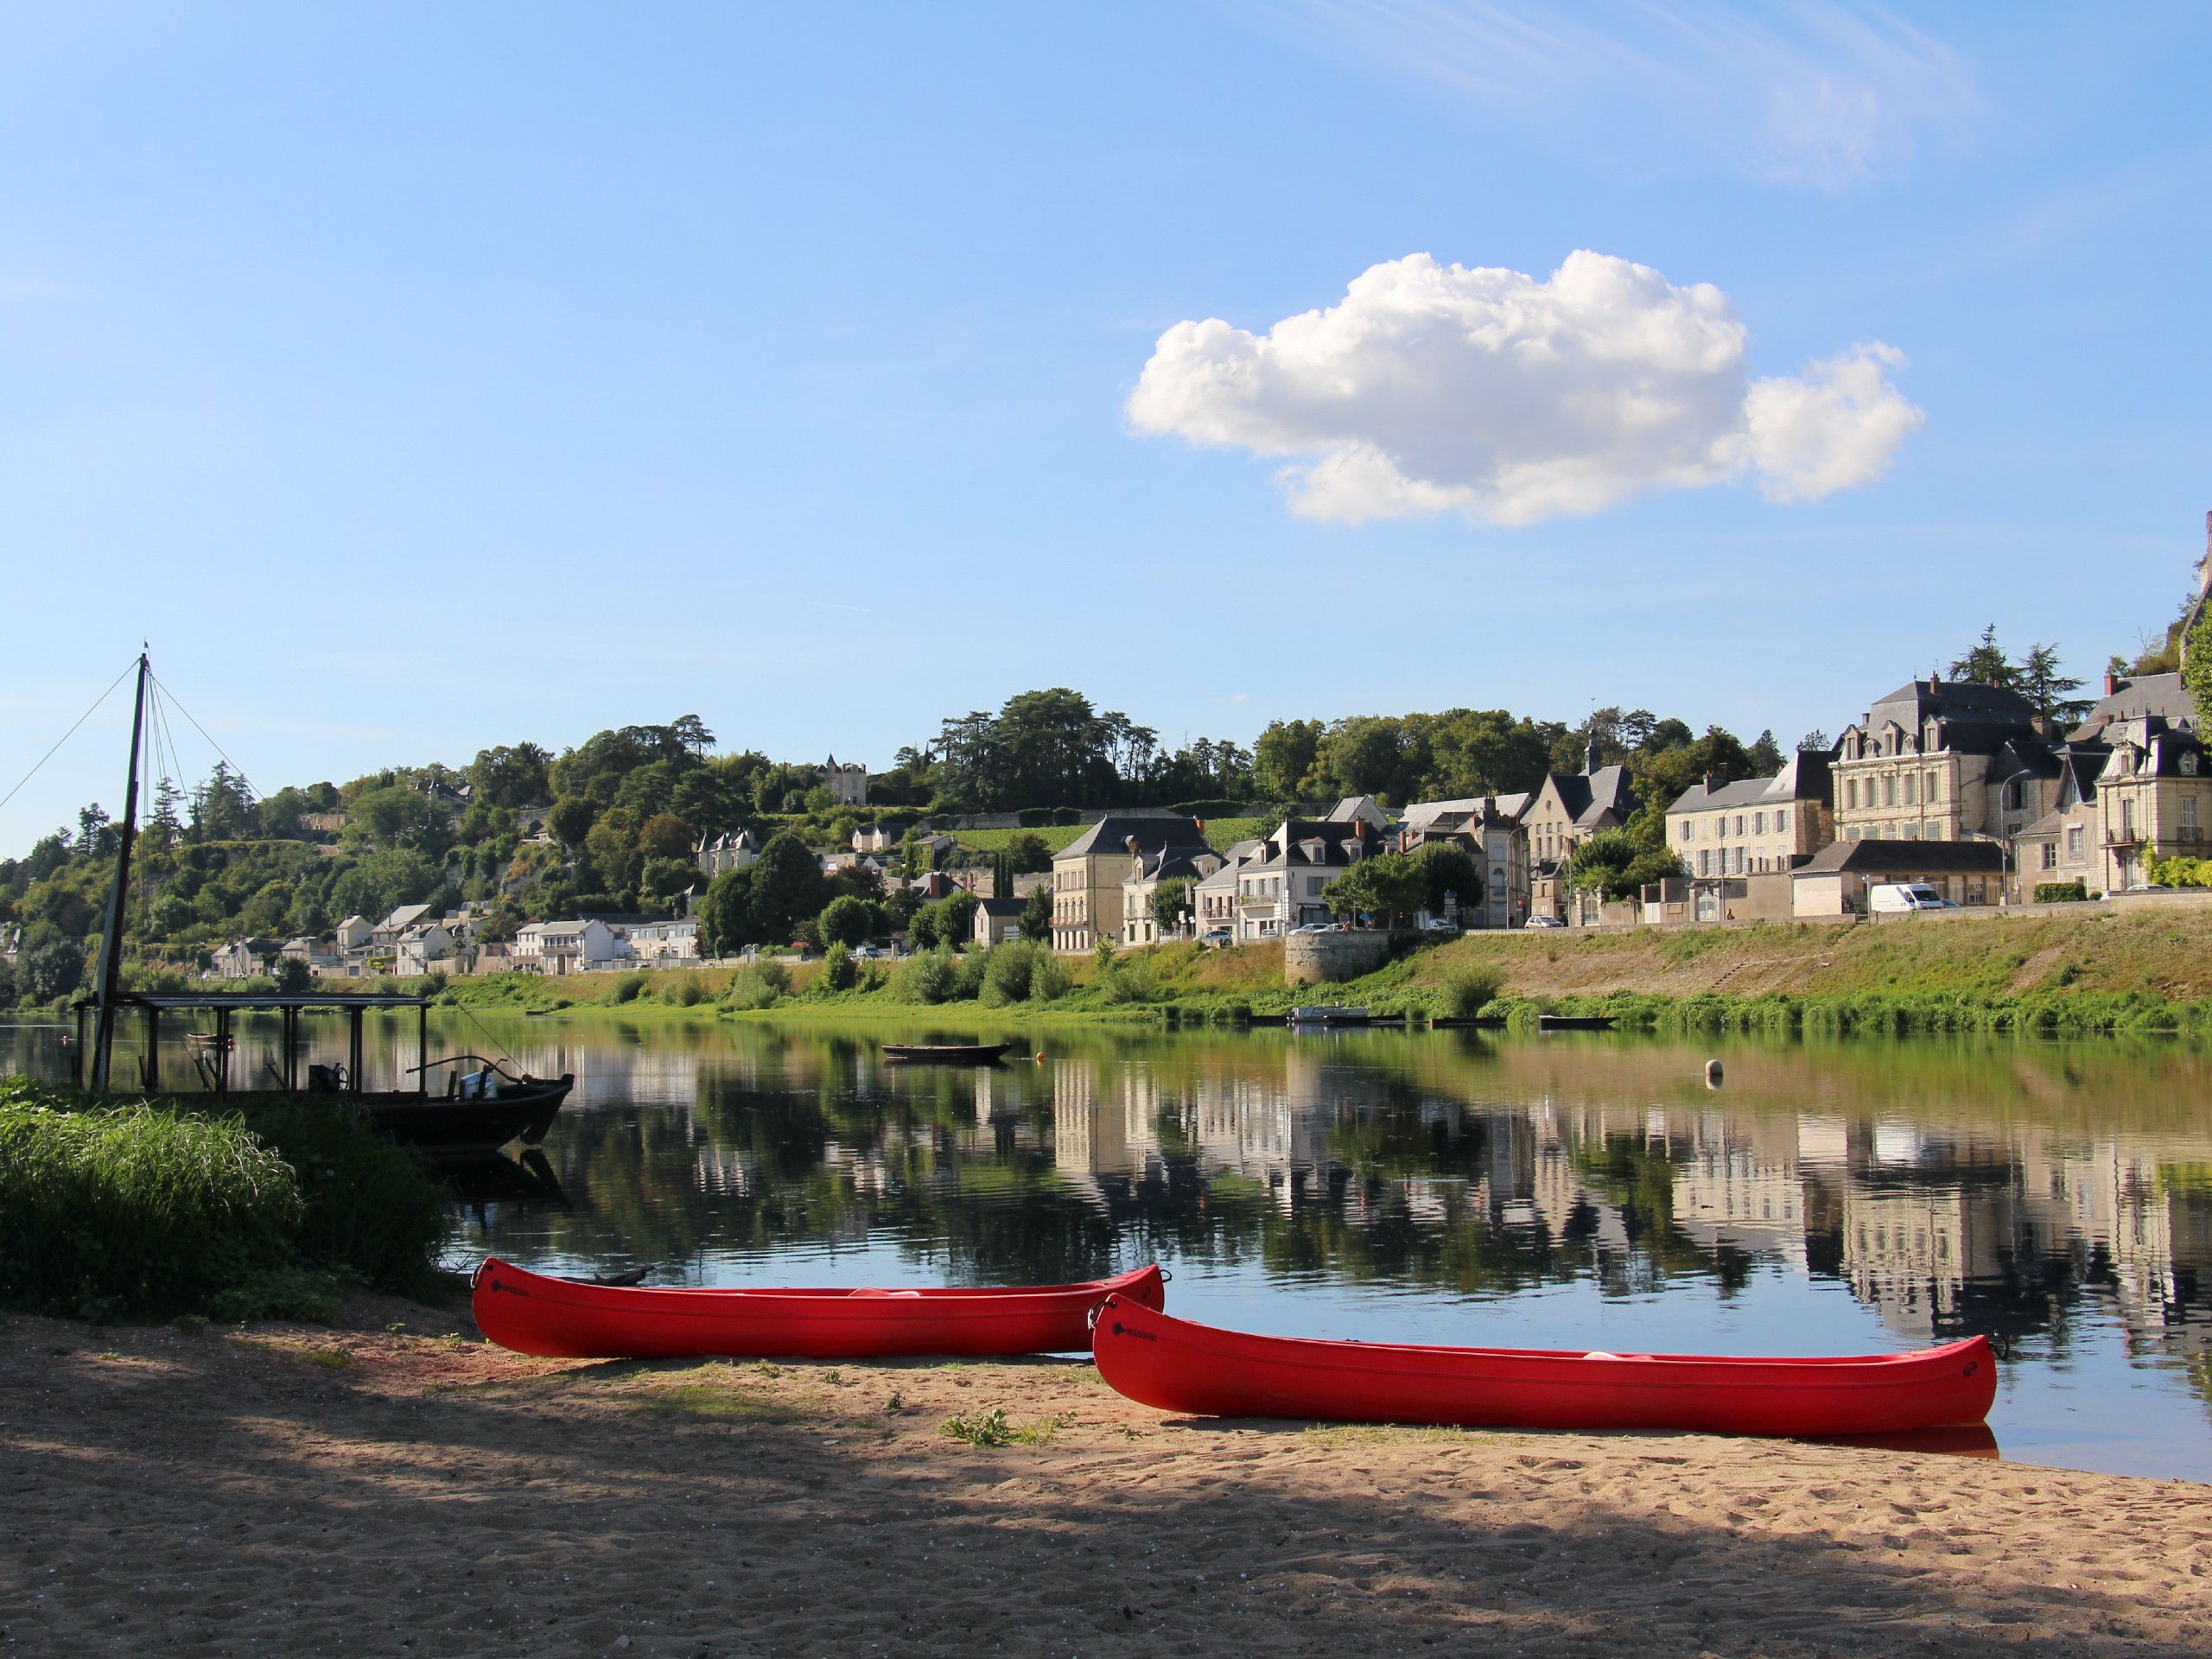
point(2061, 892)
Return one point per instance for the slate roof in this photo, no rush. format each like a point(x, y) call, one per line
point(1906, 858)
point(1111, 835)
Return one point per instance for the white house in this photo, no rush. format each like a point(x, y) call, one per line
point(569, 947)
point(387, 933)
point(664, 943)
point(730, 852)
point(354, 934)
point(848, 783)
point(244, 958)
point(420, 946)
point(319, 957)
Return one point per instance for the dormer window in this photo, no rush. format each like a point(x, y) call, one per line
point(2189, 764)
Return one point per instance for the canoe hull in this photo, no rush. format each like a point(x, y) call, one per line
point(1177, 1365)
point(560, 1319)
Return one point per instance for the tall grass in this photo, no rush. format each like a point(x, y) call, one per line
point(150, 1208)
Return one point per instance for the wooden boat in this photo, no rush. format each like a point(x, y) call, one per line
point(1574, 1022)
point(1180, 1366)
point(945, 1053)
point(521, 1111)
point(562, 1318)
point(1328, 1014)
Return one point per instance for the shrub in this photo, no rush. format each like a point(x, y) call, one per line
point(2060, 893)
point(968, 977)
point(368, 1205)
point(1048, 978)
point(686, 992)
point(1009, 972)
point(838, 972)
point(627, 987)
point(1472, 988)
point(756, 986)
point(927, 977)
point(135, 1208)
point(1131, 979)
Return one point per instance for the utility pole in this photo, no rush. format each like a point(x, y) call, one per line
point(111, 935)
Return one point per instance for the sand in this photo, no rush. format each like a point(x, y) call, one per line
point(297, 1490)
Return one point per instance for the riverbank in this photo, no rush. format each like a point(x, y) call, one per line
point(399, 1487)
point(2098, 969)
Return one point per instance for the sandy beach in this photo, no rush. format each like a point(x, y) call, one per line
point(413, 1491)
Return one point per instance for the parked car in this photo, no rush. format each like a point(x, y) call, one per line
point(1898, 898)
point(1214, 937)
point(1318, 927)
point(1543, 921)
point(1440, 924)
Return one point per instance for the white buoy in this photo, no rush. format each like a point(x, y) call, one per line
point(1713, 1074)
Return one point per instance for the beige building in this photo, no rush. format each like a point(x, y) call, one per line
point(1566, 811)
point(1139, 925)
point(2150, 800)
point(1762, 826)
point(1944, 760)
point(1088, 872)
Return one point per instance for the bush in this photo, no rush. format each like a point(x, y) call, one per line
point(1131, 979)
point(627, 987)
point(838, 973)
point(135, 1209)
point(1049, 978)
point(1472, 988)
point(368, 1207)
point(928, 977)
point(756, 986)
point(1008, 971)
point(2061, 892)
point(686, 992)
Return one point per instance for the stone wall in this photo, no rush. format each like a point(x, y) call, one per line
point(1310, 958)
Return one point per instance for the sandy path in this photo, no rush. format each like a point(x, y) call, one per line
point(398, 1493)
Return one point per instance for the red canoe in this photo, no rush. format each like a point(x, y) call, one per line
point(560, 1319)
point(1178, 1366)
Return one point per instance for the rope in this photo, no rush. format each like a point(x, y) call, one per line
point(211, 743)
point(71, 733)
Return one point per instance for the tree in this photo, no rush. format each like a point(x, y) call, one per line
point(2197, 669)
point(1283, 755)
point(787, 886)
point(571, 819)
point(1168, 899)
point(666, 836)
point(1448, 869)
point(291, 976)
point(850, 921)
point(510, 776)
point(612, 846)
point(1027, 852)
point(1618, 862)
point(48, 972)
point(1765, 755)
point(1816, 741)
point(1037, 916)
point(1986, 663)
point(2043, 683)
point(1389, 885)
point(726, 912)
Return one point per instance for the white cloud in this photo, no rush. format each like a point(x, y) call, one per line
point(1431, 388)
point(1810, 92)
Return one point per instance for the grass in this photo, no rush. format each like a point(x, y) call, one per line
point(713, 1393)
point(151, 1209)
point(994, 1427)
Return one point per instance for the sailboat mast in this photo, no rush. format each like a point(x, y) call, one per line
point(111, 935)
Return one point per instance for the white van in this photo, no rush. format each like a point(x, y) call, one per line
point(1894, 897)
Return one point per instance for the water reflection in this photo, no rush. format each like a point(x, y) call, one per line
point(1574, 1189)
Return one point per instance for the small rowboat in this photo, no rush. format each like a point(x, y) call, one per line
point(562, 1318)
point(1180, 1366)
point(945, 1053)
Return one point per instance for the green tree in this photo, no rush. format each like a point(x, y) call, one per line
point(850, 921)
point(1618, 862)
point(1284, 754)
point(1037, 916)
point(725, 914)
point(1448, 869)
point(2047, 685)
point(1027, 854)
point(787, 885)
point(1986, 663)
point(1168, 899)
point(571, 819)
point(838, 971)
point(509, 776)
point(2197, 669)
point(1388, 884)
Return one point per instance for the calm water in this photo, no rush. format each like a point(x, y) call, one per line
point(1571, 1191)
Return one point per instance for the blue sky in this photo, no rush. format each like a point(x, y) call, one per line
point(414, 381)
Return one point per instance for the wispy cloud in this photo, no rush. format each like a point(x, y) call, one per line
point(1813, 93)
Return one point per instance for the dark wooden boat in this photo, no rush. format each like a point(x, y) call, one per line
point(567, 1319)
point(523, 1111)
point(1329, 1014)
point(944, 1053)
point(1574, 1022)
point(1177, 1365)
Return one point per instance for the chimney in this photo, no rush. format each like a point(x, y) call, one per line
point(1591, 759)
point(2111, 683)
point(1714, 781)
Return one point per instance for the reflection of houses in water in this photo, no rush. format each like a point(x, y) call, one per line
point(721, 1173)
point(1907, 1251)
point(1101, 1131)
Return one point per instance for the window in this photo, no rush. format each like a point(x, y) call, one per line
point(1705, 861)
point(2050, 855)
point(1890, 790)
point(2188, 765)
point(2073, 843)
point(1908, 781)
point(1739, 823)
point(1758, 823)
point(1689, 828)
point(1782, 824)
point(1850, 794)
point(2189, 814)
point(1738, 859)
point(2128, 817)
point(1911, 831)
point(1935, 787)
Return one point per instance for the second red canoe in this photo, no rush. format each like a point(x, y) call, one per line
point(1180, 1366)
point(560, 1319)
